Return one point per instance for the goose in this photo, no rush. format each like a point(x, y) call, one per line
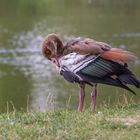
point(87, 61)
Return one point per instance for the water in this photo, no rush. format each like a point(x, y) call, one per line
point(27, 80)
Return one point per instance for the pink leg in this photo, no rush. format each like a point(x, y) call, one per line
point(81, 97)
point(93, 97)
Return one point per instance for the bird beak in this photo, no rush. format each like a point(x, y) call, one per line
point(55, 61)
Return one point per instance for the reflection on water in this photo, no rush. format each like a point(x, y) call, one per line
point(26, 78)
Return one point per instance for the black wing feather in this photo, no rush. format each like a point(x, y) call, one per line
point(101, 68)
point(108, 81)
point(101, 71)
point(69, 76)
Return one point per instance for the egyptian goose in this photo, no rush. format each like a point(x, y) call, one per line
point(87, 61)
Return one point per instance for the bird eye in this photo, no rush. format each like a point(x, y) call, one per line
point(46, 52)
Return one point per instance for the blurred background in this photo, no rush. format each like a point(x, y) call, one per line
point(30, 82)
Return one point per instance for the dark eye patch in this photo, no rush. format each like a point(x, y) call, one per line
point(46, 52)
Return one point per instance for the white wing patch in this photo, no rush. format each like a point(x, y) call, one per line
point(74, 62)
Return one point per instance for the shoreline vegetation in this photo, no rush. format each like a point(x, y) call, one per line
point(120, 122)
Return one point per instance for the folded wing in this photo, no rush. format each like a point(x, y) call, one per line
point(108, 72)
point(89, 46)
point(98, 70)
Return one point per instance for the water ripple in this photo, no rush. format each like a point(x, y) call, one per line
point(27, 58)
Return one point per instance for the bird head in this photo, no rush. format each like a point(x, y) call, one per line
point(52, 47)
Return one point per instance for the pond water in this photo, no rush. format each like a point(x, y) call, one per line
point(30, 82)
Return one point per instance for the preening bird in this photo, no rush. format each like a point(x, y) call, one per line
point(87, 61)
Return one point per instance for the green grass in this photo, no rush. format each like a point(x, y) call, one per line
point(116, 123)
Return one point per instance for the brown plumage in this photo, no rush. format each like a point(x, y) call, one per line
point(53, 46)
point(118, 55)
point(92, 47)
